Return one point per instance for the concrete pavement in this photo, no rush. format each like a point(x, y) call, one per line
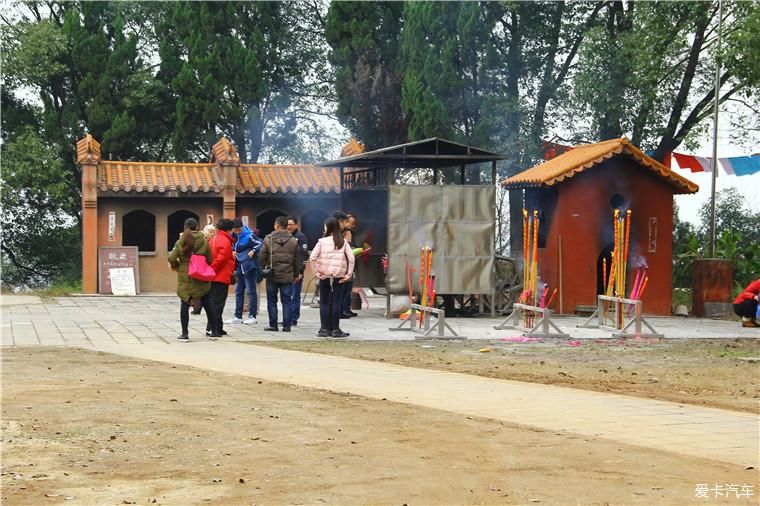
point(89, 320)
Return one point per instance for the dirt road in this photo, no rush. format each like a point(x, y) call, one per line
point(719, 373)
point(89, 428)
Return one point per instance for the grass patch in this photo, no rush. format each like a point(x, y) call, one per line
point(54, 290)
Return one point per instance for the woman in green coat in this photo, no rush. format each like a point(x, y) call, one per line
point(190, 289)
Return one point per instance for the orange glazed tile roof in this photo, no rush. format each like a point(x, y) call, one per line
point(224, 152)
point(88, 149)
point(158, 177)
point(352, 147)
point(256, 178)
point(585, 156)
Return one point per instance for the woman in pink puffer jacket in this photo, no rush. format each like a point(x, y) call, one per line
point(332, 262)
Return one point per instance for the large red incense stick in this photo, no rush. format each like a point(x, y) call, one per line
point(549, 304)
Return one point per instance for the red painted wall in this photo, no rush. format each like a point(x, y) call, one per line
point(583, 218)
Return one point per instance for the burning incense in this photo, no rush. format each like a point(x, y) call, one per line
point(543, 296)
point(611, 280)
point(525, 250)
point(625, 257)
point(432, 289)
point(528, 263)
point(635, 286)
point(643, 287)
point(534, 265)
point(549, 304)
point(409, 281)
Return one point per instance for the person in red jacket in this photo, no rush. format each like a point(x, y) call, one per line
point(223, 263)
point(745, 304)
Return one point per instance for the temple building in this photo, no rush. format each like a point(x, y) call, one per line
point(145, 204)
point(577, 193)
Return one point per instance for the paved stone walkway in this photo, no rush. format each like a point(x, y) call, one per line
point(89, 320)
point(146, 327)
point(709, 433)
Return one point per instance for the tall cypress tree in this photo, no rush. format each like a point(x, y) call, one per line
point(364, 37)
point(235, 69)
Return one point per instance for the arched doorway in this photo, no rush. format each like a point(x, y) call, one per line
point(138, 228)
point(175, 224)
point(265, 221)
point(312, 224)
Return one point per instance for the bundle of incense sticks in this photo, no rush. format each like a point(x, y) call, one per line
point(639, 284)
point(616, 282)
point(427, 279)
point(529, 294)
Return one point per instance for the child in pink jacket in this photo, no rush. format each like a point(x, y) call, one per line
point(332, 262)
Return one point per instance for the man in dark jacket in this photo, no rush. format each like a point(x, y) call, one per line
point(280, 251)
point(246, 251)
point(348, 234)
point(303, 252)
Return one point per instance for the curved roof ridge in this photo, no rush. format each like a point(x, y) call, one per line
point(586, 156)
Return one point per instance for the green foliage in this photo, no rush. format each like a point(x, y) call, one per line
point(83, 67)
point(686, 248)
point(737, 239)
point(731, 215)
point(446, 87)
point(742, 53)
point(41, 243)
point(647, 70)
point(364, 40)
point(241, 69)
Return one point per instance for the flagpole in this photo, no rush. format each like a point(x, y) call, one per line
point(715, 133)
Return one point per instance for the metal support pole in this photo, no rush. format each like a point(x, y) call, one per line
point(715, 133)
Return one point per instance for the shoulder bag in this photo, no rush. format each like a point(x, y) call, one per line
point(199, 269)
point(266, 272)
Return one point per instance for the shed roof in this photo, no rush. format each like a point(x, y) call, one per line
point(427, 153)
point(586, 156)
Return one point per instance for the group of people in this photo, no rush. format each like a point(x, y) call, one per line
point(237, 255)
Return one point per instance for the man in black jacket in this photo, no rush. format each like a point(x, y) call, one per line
point(303, 252)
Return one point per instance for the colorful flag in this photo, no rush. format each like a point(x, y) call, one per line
point(726, 164)
point(695, 163)
point(732, 165)
point(741, 165)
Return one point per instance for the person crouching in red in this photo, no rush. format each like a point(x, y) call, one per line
point(745, 304)
point(223, 264)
